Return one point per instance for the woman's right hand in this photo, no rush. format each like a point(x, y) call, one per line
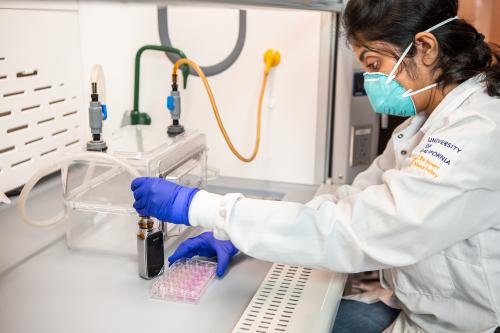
point(160, 198)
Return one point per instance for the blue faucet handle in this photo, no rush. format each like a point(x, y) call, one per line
point(170, 103)
point(104, 110)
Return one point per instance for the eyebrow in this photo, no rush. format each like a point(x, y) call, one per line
point(362, 55)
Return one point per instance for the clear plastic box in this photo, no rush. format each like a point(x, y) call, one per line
point(185, 281)
point(100, 232)
point(105, 187)
point(97, 195)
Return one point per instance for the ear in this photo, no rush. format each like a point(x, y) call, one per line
point(428, 48)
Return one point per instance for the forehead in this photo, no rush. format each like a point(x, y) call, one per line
point(374, 47)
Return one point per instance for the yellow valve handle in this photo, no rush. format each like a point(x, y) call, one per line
point(272, 58)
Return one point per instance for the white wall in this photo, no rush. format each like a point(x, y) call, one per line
point(111, 33)
point(41, 112)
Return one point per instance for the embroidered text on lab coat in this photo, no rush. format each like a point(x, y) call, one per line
point(436, 156)
point(444, 143)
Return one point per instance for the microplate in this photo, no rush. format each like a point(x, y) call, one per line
point(185, 281)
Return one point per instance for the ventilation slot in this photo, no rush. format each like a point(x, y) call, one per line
point(4, 150)
point(45, 120)
point(28, 108)
point(60, 132)
point(72, 143)
point(27, 73)
point(42, 88)
point(20, 92)
point(67, 114)
point(20, 162)
point(35, 92)
point(18, 128)
point(48, 152)
point(57, 101)
point(274, 304)
point(33, 141)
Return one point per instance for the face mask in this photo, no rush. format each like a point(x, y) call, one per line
point(387, 95)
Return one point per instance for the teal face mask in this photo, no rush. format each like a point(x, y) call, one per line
point(387, 95)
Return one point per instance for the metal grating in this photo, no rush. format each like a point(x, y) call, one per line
point(276, 301)
point(40, 91)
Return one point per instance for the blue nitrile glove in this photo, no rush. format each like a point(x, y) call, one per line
point(162, 199)
point(206, 245)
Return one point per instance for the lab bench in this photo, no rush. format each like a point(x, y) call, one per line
point(46, 287)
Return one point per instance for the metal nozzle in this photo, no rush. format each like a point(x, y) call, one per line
point(146, 223)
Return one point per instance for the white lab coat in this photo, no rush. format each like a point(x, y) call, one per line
point(426, 212)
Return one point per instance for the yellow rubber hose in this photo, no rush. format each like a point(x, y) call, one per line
point(216, 110)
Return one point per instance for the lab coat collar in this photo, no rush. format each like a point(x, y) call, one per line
point(453, 100)
point(409, 127)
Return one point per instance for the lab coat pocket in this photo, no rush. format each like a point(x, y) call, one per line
point(430, 276)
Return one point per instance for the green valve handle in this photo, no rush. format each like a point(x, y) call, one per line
point(142, 118)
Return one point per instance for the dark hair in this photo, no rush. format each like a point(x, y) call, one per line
point(463, 53)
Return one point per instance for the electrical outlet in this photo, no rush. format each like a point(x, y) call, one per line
point(361, 146)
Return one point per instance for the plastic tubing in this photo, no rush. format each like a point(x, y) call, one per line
point(207, 70)
point(137, 67)
point(97, 76)
point(216, 110)
point(89, 156)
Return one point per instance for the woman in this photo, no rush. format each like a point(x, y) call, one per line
point(426, 212)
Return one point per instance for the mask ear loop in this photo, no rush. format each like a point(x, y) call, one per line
point(439, 25)
point(392, 75)
point(410, 92)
